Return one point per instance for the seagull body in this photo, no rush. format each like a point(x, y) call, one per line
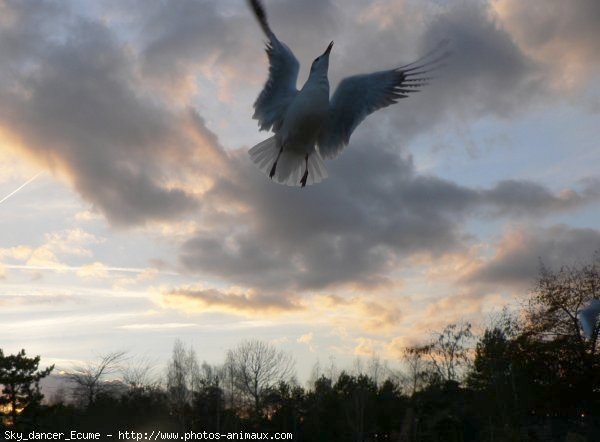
point(307, 125)
point(305, 116)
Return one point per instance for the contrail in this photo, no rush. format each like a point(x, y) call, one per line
point(62, 268)
point(20, 187)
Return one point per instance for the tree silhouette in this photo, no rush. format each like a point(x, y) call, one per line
point(19, 377)
point(139, 376)
point(357, 395)
point(447, 353)
point(257, 367)
point(285, 405)
point(493, 377)
point(90, 379)
point(570, 364)
point(208, 400)
point(414, 376)
point(530, 376)
point(183, 381)
point(557, 300)
point(322, 419)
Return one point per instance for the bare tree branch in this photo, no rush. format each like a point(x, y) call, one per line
point(257, 367)
point(91, 379)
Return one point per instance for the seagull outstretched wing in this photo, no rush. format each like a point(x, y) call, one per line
point(280, 88)
point(358, 96)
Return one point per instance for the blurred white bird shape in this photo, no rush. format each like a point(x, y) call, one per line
point(588, 317)
point(304, 119)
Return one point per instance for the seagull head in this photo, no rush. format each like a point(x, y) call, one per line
point(321, 63)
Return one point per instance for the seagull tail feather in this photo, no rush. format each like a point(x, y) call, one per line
point(264, 154)
point(290, 166)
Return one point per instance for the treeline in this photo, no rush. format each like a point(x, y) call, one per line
point(532, 375)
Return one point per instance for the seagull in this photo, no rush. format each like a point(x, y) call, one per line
point(588, 317)
point(307, 125)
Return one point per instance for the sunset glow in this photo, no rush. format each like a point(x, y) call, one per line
point(130, 214)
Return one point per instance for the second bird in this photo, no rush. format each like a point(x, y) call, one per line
point(307, 125)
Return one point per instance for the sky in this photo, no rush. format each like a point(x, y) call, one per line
point(131, 215)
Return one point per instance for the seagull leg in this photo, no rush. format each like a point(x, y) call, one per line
point(305, 176)
point(275, 163)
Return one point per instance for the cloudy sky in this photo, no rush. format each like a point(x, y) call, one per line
point(130, 214)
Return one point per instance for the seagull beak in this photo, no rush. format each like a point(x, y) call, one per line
point(328, 50)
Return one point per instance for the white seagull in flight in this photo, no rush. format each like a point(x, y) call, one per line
point(304, 119)
point(588, 317)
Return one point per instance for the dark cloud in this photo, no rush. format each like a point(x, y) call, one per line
point(521, 254)
point(82, 100)
point(24, 26)
point(79, 106)
point(181, 33)
point(373, 212)
point(564, 29)
point(487, 75)
point(527, 198)
point(347, 230)
point(177, 36)
point(307, 27)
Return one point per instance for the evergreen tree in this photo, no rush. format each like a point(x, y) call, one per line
point(20, 384)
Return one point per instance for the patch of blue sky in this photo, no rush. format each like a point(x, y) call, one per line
point(554, 146)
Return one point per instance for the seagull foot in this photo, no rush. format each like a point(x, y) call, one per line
point(272, 173)
point(303, 180)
